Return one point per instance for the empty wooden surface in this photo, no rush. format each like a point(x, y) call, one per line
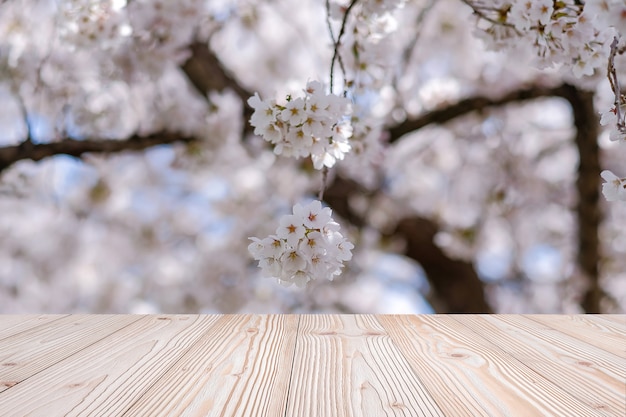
point(312, 365)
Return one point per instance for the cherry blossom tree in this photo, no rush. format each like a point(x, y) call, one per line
point(383, 156)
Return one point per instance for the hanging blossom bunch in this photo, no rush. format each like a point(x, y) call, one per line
point(307, 246)
point(563, 33)
point(315, 125)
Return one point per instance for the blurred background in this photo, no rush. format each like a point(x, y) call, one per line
point(131, 180)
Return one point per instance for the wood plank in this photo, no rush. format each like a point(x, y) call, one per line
point(107, 377)
point(619, 319)
point(470, 376)
point(312, 365)
point(587, 328)
point(13, 324)
point(29, 352)
point(592, 375)
point(347, 365)
point(240, 368)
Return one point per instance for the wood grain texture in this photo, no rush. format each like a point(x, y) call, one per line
point(312, 365)
point(470, 376)
point(589, 374)
point(130, 361)
point(29, 352)
point(619, 319)
point(13, 324)
point(606, 336)
point(240, 368)
point(347, 365)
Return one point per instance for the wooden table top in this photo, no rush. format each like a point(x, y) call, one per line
point(312, 365)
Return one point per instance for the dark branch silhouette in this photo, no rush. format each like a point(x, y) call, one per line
point(468, 105)
point(73, 147)
point(588, 214)
point(206, 73)
point(457, 287)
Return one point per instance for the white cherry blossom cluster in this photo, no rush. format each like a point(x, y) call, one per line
point(563, 33)
point(315, 125)
point(307, 246)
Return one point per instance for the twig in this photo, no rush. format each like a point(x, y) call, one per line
point(614, 81)
point(73, 147)
point(328, 23)
point(407, 54)
point(482, 15)
point(336, 55)
point(324, 183)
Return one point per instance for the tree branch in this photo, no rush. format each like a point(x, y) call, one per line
point(469, 105)
point(588, 212)
point(587, 184)
point(206, 73)
point(36, 152)
point(456, 284)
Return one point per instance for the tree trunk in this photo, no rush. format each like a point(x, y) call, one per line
point(588, 186)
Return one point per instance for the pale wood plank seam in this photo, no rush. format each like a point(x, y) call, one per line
point(614, 319)
point(493, 356)
point(146, 337)
point(93, 343)
point(30, 327)
point(569, 344)
point(343, 371)
point(103, 341)
point(255, 363)
point(376, 346)
point(247, 361)
point(293, 361)
point(427, 374)
point(75, 352)
point(424, 396)
point(587, 407)
point(273, 394)
point(62, 357)
point(597, 340)
point(553, 380)
point(504, 359)
point(265, 354)
point(154, 365)
point(216, 359)
point(265, 380)
point(306, 371)
point(181, 358)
